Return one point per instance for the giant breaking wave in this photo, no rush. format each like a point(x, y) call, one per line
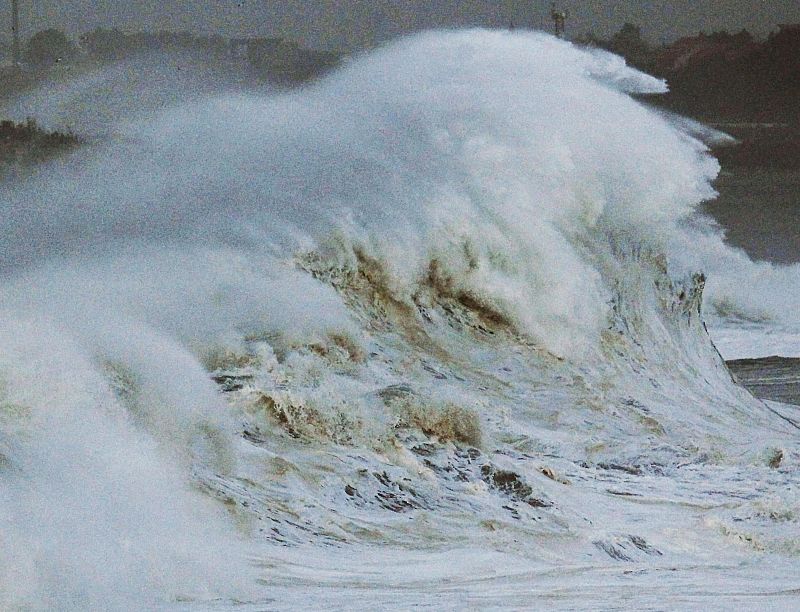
point(425, 302)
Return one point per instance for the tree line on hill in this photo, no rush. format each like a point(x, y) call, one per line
point(24, 144)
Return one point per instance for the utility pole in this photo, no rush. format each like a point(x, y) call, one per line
point(15, 32)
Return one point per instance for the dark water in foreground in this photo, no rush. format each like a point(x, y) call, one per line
point(774, 378)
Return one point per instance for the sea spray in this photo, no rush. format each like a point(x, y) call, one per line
point(206, 326)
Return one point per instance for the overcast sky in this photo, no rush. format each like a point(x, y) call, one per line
point(353, 23)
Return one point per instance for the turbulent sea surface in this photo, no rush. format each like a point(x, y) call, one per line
point(435, 331)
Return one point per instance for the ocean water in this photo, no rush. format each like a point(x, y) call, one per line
point(443, 329)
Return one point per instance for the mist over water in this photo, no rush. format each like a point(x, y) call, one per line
point(113, 100)
point(510, 170)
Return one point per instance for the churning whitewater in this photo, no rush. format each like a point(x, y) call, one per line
point(428, 331)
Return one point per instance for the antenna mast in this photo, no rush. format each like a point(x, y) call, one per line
point(15, 31)
point(559, 20)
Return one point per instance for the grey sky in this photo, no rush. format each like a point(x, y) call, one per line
point(354, 23)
